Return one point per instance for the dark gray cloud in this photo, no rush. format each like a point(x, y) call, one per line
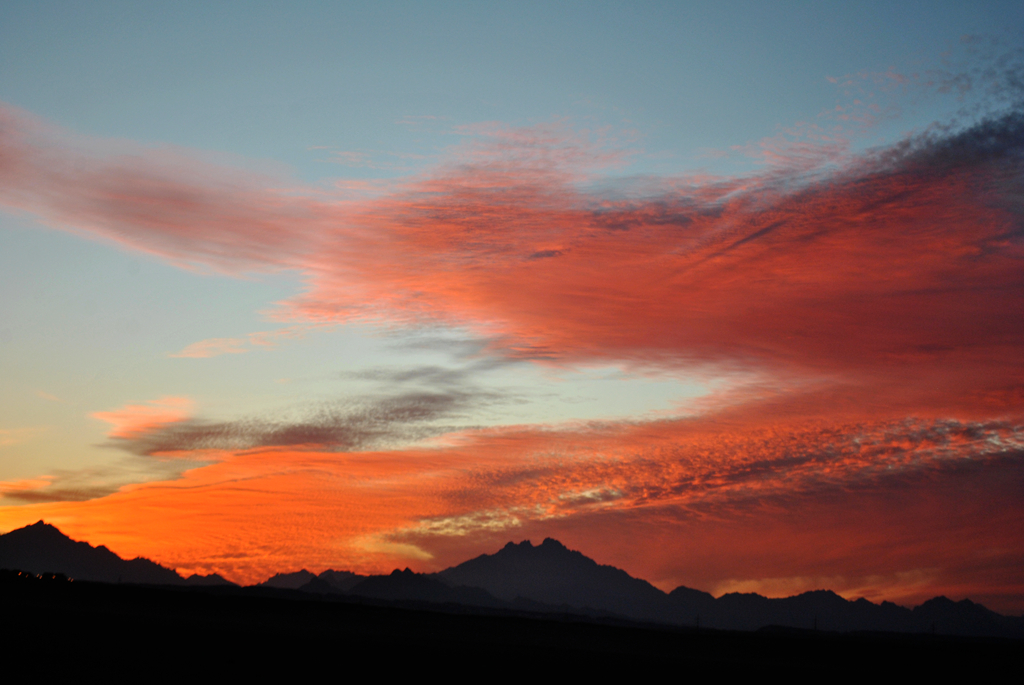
point(371, 423)
point(424, 401)
point(79, 485)
point(433, 376)
point(58, 494)
point(51, 494)
point(368, 423)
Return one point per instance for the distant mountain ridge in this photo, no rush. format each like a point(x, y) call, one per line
point(552, 574)
point(289, 581)
point(328, 582)
point(547, 578)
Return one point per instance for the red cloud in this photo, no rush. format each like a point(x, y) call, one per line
point(902, 267)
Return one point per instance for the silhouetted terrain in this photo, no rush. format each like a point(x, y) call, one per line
point(553, 575)
point(65, 628)
point(340, 581)
point(547, 579)
point(289, 581)
point(211, 580)
point(41, 548)
point(409, 586)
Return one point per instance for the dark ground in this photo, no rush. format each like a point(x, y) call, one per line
point(56, 627)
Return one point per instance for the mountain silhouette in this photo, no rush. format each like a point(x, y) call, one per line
point(410, 586)
point(41, 548)
point(552, 574)
point(340, 581)
point(543, 579)
point(212, 580)
point(288, 581)
point(328, 582)
point(944, 616)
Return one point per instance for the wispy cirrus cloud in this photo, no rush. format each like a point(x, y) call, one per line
point(163, 201)
point(213, 347)
point(14, 436)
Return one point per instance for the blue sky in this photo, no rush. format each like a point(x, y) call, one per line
point(269, 81)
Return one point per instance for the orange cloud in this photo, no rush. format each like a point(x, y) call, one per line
point(865, 502)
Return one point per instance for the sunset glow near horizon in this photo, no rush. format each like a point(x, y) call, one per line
point(729, 296)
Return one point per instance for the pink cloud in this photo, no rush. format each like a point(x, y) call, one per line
point(135, 420)
point(163, 201)
point(212, 347)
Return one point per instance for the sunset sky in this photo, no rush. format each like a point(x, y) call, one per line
point(728, 295)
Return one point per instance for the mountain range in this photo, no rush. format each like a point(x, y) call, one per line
point(544, 579)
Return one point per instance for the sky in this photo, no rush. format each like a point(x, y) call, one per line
point(729, 295)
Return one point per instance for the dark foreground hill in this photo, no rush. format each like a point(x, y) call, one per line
point(545, 579)
point(59, 628)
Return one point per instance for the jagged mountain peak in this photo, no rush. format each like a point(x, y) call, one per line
point(41, 524)
point(39, 529)
point(549, 548)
